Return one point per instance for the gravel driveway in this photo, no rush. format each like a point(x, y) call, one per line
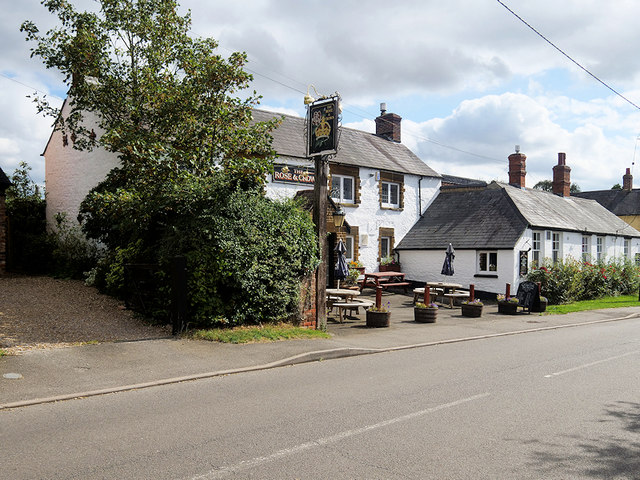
point(44, 312)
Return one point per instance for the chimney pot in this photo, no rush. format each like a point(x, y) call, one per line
point(383, 108)
point(562, 177)
point(627, 181)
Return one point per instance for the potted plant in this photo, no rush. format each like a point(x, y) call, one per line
point(472, 308)
point(352, 279)
point(507, 305)
point(389, 264)
point(379, 316)
point(356, 265)
point(543, 305)
point(423, 313)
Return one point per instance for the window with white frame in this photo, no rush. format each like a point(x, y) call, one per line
point(627, 248)
point(537, 247)
point(342, 188)
point(390, 195)
point(487, 262)
point(586, 248)
point(385, 247)
point(348, 243)
point(556, 245)
point(600, 249)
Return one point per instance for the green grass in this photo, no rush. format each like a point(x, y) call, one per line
point(607, 302)
point(266, 333)
point(2, 353)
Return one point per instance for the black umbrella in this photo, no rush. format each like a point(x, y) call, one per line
point(447, 267)
point(342, 270)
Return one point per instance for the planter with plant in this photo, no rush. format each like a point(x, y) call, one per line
point(379, 316)
point(356, 265)
point(423, 313)
point(351, 281)
point(389, 264)
point(507, 305)
point(543, 305)
point(472, 308)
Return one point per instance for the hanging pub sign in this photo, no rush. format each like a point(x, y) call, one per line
point(524, 262)
point(322, 127)
point(293, 174)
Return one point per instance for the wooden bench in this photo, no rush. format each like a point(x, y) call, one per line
point(351, 306)
point(396, 284)
point(418, 293)
point(457, 294)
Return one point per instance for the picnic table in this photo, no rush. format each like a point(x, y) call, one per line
point(447, 290)
point(384, 280)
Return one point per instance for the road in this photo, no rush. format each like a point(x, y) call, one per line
point(555, 404)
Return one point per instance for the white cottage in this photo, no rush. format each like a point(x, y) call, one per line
point(498, 230)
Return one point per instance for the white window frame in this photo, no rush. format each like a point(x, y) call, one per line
point(599, 248)
point(536, 238)
point(386, 199)
point(485, 256)
point(627, 248)
point(556, 247)
point(349, 243)
point(339, 192)
point(388, 249)
point(586, 248)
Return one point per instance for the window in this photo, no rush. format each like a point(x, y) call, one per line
point(342, 188)
point(555, 247)
point(390, 195)
point(487, 262)
point(385, 247)
point(586, 248)
point(600, 249)
point(537, 247)
point(348, 243)
point(627, 248)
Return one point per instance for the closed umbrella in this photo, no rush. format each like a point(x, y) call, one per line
point(447, 267)
point(342, 270)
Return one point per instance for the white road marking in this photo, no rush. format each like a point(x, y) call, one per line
point(254, 462)
point(587, 365)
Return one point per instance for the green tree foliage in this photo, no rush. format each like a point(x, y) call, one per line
point(617, 186)
point(547, 186)
point(167, 105)
point(29, 246)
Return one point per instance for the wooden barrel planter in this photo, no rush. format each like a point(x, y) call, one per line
point(425, 315)
point(378, 319)
point(508, 308)
point(473, 310)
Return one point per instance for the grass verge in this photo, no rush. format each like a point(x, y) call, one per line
point(607, 302)
point(265, 333)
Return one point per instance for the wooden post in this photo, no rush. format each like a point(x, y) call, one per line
point(472, 292)
point(320, 220)
point(508, 291)
point(378, 297)
point(427, 295)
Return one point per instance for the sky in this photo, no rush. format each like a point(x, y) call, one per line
point(469, 78)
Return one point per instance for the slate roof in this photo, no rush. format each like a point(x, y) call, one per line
point(496, 217)
point(356, 148)
point(451, 180)
point(620, 202)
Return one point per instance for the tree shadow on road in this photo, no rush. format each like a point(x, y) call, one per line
point(610, 456)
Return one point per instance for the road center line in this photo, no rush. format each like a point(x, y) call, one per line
point(254, 462)
point(587, 365)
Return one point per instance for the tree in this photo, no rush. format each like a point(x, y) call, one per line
point(547, 186)
point(617, 186)
point(164, 103)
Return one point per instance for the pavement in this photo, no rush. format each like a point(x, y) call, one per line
point(43, 376)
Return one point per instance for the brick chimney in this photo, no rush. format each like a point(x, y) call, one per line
point(627, 181)
point(388, 124)
point(517, 168)
point(562, 177)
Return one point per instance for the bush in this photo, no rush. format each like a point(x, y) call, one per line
point(570, 280)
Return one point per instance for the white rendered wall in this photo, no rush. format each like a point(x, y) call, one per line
point(70, 174)
point(368, 216)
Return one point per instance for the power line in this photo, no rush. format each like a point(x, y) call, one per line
point(567, 56)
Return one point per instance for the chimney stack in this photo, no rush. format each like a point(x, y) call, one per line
point(562, 177)
point(517, 168)
point(388, 124)
point(627, 181)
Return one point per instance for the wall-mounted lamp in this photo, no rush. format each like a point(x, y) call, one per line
point(338, 217)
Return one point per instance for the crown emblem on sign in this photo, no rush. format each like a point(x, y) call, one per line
point(324, 129)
